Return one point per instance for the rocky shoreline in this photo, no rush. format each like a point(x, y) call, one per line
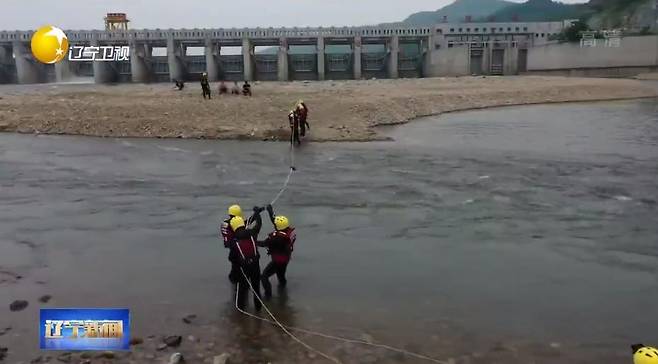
point(339, 110)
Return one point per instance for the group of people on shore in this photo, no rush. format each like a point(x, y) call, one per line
point(241, 238)
point(297, 117)
point(223, 89)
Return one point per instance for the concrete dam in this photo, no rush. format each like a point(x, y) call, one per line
point(446, 49)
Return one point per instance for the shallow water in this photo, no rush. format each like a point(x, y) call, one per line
point(525, 225)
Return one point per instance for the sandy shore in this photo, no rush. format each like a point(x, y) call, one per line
point(339, 110)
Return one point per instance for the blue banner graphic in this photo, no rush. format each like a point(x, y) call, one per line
point(84, 329)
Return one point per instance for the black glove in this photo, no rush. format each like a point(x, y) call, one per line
point(270, 210)
point(258, 210)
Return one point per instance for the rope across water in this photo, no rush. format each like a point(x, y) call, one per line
point(286, 329)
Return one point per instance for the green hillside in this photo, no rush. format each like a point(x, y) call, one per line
point(542, 10)
point(457, 11)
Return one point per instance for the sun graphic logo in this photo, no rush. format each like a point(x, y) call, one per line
point(49, 44)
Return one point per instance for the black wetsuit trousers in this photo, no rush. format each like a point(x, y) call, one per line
point(234, 275)
point(206, 91)
point(252, 271)
point(274, 268)
point(302, 125)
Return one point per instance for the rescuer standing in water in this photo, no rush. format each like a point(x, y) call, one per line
point(279, 244)
point(205, 85)
point(244, 243)
point(293, 120)
point(228, 236)
point(302, 110)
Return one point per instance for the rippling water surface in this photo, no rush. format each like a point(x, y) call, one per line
point(528, 225)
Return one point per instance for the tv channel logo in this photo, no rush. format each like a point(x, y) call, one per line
point(50, 45)
point(84, 329)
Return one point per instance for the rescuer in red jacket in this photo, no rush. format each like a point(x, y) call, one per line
point(279, 244)
point(244, 243)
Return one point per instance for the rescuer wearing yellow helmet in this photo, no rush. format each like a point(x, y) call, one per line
point(302, 110)
point(228, 235)
point(293, 120)
point(279, 244)
point(245, 256)
point(644, 354)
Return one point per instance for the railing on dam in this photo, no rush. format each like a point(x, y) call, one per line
point(222, 33)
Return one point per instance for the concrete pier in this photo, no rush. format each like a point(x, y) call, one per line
point(63, 70)
point(104, 72)
point(393, 54)
point(356, 50)
point(320, 50)
point(6, 65)
point(427, 46)
point(248, 59)
point(212, 50)
point(28, 70)
point(175, 56)
point(282, 60)
point(511, 61)
point(140, 67)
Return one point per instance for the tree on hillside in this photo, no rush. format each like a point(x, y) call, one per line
point(573, 33)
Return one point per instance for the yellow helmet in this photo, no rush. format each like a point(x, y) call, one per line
point(235, 210)
point(236, 223)
point(281, 222)
point(645, 355)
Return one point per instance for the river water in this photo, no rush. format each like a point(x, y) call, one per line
point(524, 234)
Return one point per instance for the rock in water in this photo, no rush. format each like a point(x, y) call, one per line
point(161, 347)
point(64, 358)
point(189, 318)
point(136, 341)
point(221, 359)
point(18, 305)
point(176, 358)
point(106, 355)
point(367, 338)
point(3, 352)
point(45, 298)
point(173, 340)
